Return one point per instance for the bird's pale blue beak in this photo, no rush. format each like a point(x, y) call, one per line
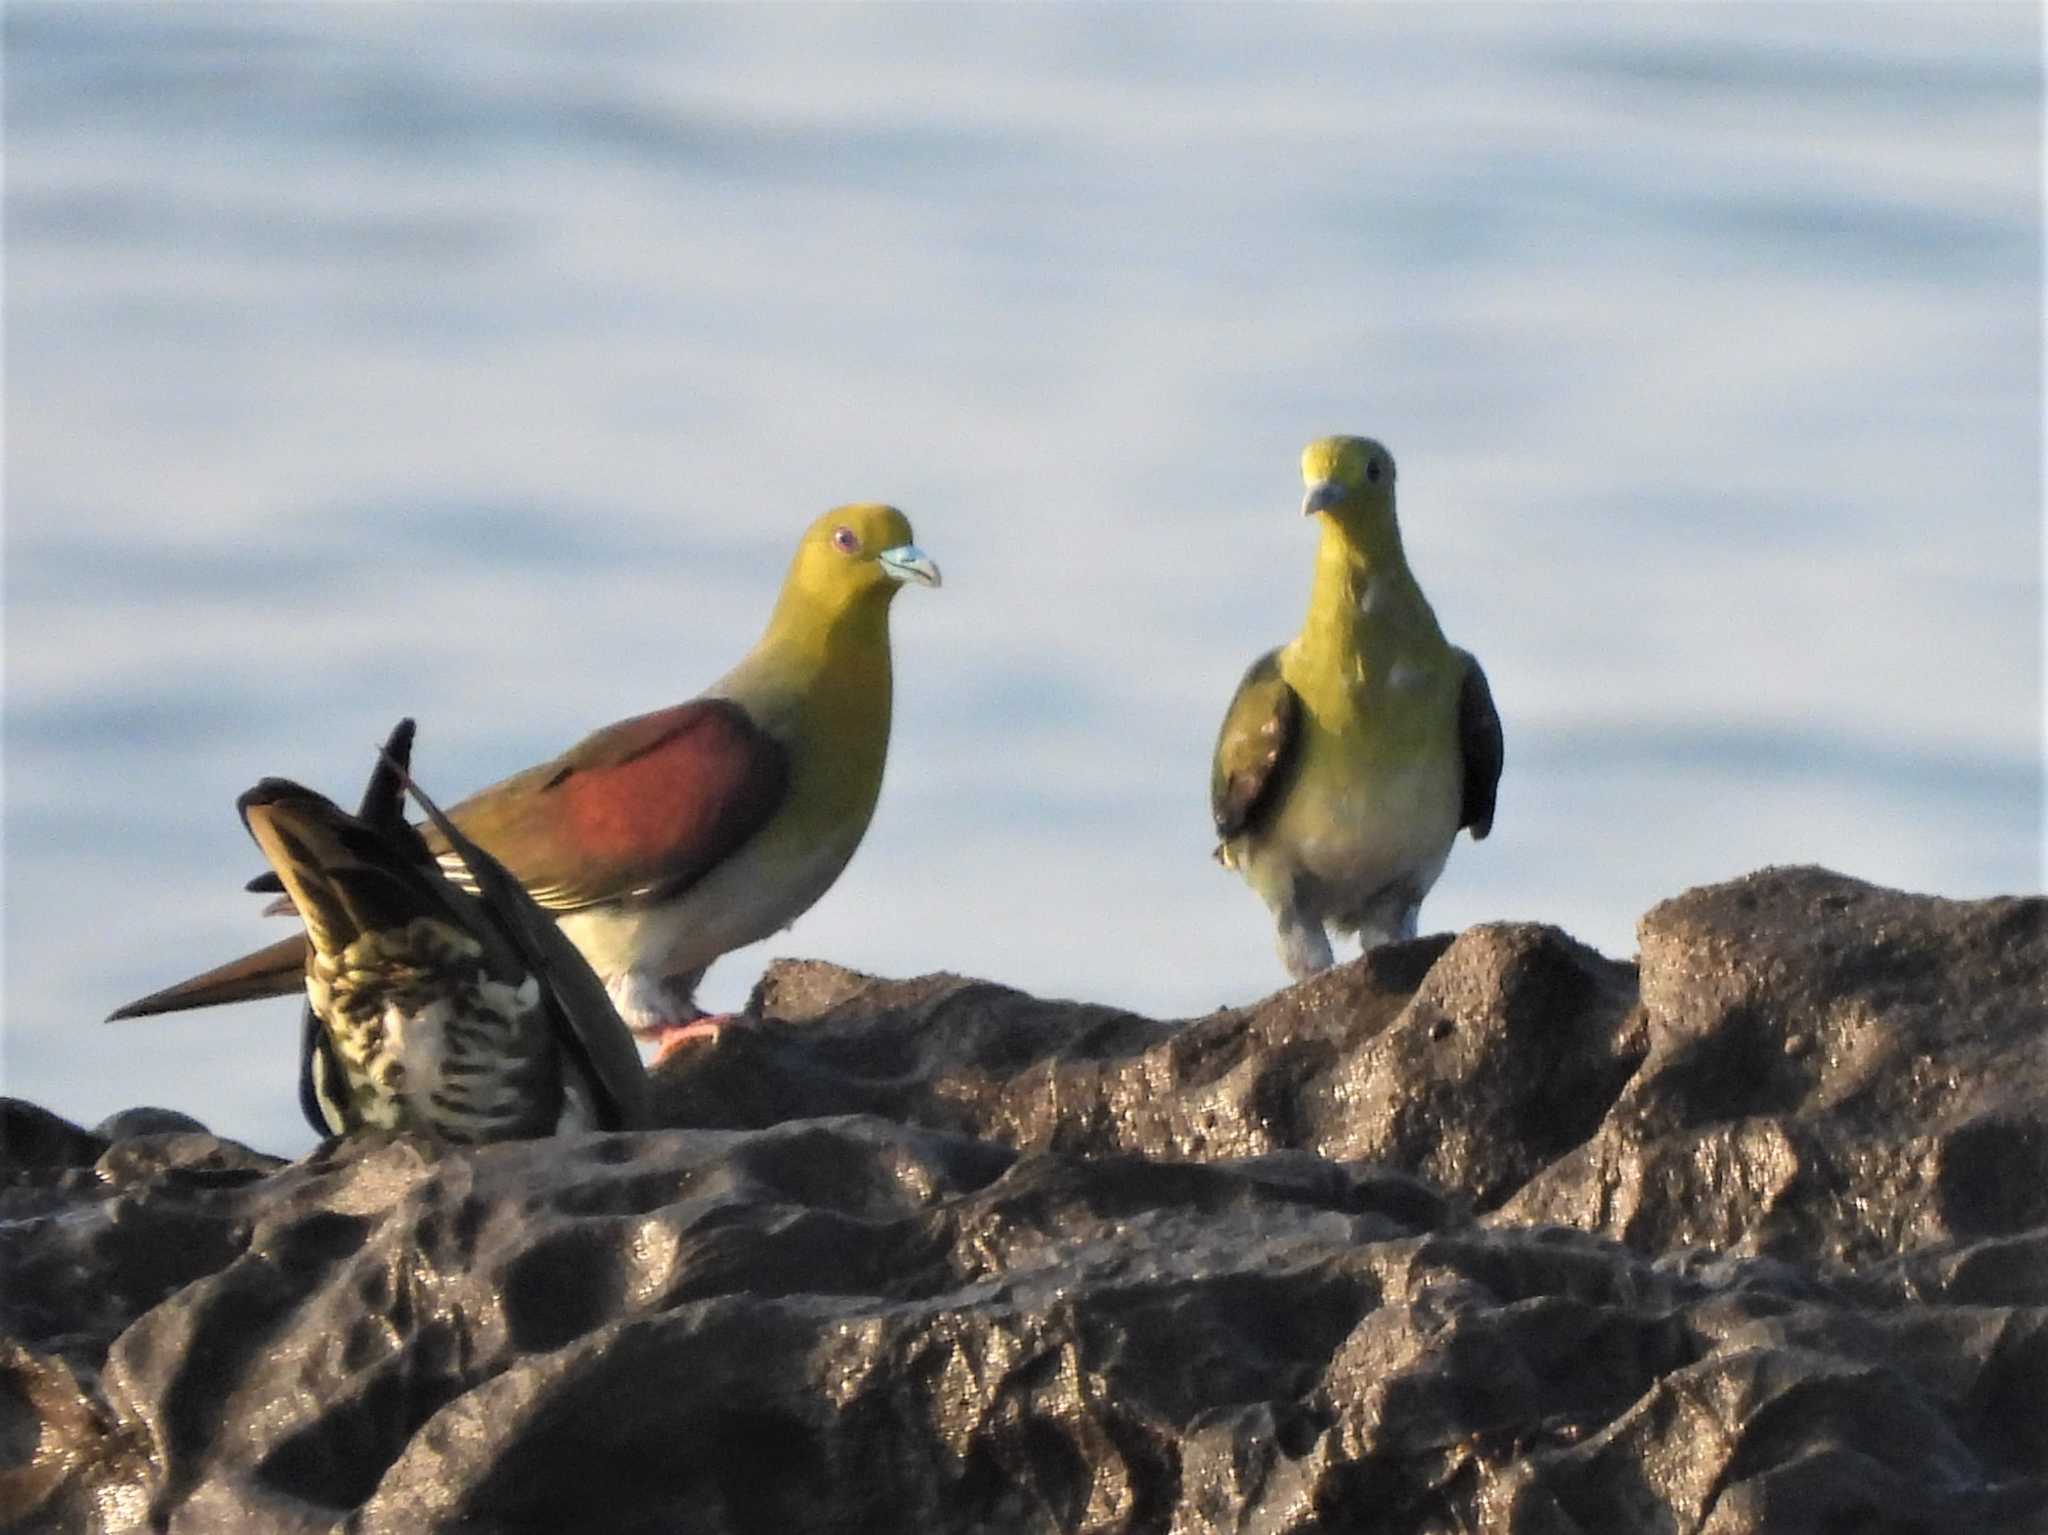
point(907, 563)
point(1321, 496)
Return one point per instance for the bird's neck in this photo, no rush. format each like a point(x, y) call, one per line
point(829, 663)
point(817, 635)
point(1365, 610)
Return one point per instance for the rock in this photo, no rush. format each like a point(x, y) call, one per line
point(34, 1141)
point(146, 1121)
point(1472, 1063)
point(1835, 1071)
point(1476, 1234)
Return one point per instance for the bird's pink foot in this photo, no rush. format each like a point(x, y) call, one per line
point(671, 1035)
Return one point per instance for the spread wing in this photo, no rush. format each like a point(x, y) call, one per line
point(1479, 739)
point(383, 806)
point(643, 808)
point(1253, 748)
point(587, 1027)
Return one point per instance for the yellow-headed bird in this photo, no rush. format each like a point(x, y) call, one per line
point(666, 840)
point(1352, 755)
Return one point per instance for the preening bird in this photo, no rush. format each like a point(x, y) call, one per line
point(466, 1016)
point(666, 840)
point(1351, 756)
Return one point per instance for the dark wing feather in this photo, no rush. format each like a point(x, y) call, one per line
point(642, 809)
point(384, 795)
point(383, 806)
point(1479, 739)
point(321, 1098)
point(588, 1026)
point(1254, 746)
point(348, 879)
point(383, 801)
point(275, 971)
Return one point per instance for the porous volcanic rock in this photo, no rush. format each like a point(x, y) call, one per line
point(1484, 1234)
point(1836, 1071)
point(1472, 1062)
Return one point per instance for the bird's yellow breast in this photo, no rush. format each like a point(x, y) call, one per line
point(1375, 785)
point(827, 697)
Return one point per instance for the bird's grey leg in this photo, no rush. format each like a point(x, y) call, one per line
point(681, 990)
point(1393, 916)
point(652, 1003)
point(644, 1002)
point(1303, 943)
point(667, 1016)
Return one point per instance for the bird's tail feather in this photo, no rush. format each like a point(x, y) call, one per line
point(343, 877)
point(272, 972)
point(280, 969)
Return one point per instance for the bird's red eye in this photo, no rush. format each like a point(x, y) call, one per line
point(846, 541)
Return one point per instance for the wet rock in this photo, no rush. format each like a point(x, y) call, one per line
point(1477, 1234)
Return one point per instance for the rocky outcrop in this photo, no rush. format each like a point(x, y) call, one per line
point(1486, 1233)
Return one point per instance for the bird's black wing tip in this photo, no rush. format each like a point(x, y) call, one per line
point(268, 791)
point(141, 1007)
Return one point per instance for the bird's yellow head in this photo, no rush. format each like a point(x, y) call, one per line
point(1351, 479)
point(855, 552)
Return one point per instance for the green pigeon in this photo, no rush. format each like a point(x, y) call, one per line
point(666, 840)
point(1352, 756)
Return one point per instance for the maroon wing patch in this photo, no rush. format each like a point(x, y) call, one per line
point(642, 809)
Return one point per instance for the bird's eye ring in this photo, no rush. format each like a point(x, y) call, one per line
point(845, 540)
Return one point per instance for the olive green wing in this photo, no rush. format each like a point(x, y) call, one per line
point(1480, 742)
point(1253, 749)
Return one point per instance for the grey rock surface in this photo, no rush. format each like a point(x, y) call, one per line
point(1476, 1234)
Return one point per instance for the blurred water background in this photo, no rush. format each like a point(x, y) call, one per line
point(482, 363)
